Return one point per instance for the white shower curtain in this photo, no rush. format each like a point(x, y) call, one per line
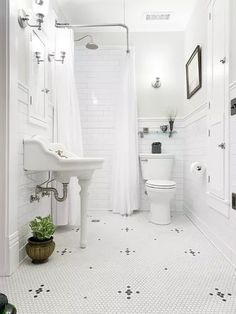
point(67, 125)
point(125, 188)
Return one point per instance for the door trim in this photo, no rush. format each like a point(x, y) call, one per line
point(221, 205)
point(3, 134)
point(9, 242)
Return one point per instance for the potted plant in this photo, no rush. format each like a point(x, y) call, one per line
point(41, 245)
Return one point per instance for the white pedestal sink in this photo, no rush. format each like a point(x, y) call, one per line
point(41, 155)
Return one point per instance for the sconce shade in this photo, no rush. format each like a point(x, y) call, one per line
point(156, 83)
point(41, 7)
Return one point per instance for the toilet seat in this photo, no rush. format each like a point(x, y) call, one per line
point(161, 184)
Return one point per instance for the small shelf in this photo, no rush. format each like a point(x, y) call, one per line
point(167, 133)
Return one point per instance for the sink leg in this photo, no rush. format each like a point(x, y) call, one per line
point(83, 224)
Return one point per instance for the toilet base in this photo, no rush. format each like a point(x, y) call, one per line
point(160, 215)
point(159, 224)
point(160, 200)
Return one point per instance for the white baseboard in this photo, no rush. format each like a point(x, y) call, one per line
point(227, 251)
point(13, 257)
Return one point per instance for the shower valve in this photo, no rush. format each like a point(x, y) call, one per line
point(34, 198)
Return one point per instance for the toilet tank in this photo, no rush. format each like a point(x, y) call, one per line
point(156, 166)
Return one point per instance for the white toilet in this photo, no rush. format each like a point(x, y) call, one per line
point(156, 171)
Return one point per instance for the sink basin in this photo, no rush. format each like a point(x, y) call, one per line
point(41, 155)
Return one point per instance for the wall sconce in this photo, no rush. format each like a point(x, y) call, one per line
point(156, 83)
point(51, 56)
point(38, 57)
point(40, 8)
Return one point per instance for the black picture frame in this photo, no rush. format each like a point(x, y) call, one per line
point(194, 72)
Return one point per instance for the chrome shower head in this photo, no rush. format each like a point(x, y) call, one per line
point(90, 44)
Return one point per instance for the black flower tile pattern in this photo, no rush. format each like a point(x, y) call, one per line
point(127, 251)
point(41, 289)
point(76, 229)
point(193, 253)
point(127, 229)
point(64, 251)
point(129, 292)
point(177, 230)
point(223, 296)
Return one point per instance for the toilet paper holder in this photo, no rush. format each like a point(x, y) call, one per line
point(197, 168)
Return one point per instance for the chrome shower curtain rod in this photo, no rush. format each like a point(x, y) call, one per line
point(67, 25)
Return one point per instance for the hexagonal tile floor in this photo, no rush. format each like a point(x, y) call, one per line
point(129, 266)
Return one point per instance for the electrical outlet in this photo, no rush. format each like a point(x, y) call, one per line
point(234, 201)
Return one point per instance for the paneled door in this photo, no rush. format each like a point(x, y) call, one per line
point(218, 98)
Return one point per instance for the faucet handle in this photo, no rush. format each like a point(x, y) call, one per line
point(60, 153)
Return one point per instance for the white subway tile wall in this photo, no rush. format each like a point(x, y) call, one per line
point(97, 74)
point(195, 149)
point(28, 181)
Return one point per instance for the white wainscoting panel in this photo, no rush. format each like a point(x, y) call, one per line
point(27, 181)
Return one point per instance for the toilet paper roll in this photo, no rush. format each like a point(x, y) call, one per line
point(197, 168)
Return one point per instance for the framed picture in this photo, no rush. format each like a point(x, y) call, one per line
point(194, 72)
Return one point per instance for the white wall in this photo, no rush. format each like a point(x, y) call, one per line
point(220, 229)
point(26, 182)
point(232, 41)
point(157, 54)
point(196, 34)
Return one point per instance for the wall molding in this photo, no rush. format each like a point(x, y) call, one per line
point(220, 245)
point(197, 114)
point(23, 87)
point(13, 243)
point(23, 93)
point(222, 206)
point(23, 98)
point(13, 239)
point(153, 122)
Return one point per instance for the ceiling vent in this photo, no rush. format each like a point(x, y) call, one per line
point(157, 16)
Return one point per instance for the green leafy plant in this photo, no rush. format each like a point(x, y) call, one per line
point(42, 228)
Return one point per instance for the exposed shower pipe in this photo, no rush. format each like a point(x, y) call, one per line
point(90, 44)
point(67, 25)
point(84, 37)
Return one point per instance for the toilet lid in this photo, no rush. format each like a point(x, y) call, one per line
point(161, 184)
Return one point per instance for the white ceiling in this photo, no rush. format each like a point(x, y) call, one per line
point(112, 11)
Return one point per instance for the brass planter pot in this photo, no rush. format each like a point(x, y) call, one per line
point(38, 251)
